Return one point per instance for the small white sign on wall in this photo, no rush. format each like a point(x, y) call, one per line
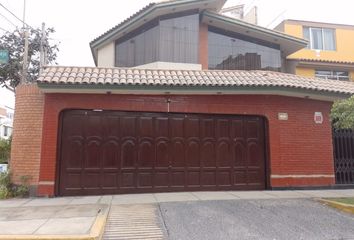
point(283, 116)
point(318, 117)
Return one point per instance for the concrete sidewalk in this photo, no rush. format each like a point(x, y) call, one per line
point(49, 221)
point(227, 195)
point(152, 198)
point(84, 217)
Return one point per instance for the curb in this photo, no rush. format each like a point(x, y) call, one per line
point(341, 206)
point(98, 226)
point(96, 232)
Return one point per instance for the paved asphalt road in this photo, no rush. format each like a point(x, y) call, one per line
point(255, 219)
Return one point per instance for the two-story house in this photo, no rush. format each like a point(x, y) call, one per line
point(182, 98)
point(329, 53)
point(199, 38)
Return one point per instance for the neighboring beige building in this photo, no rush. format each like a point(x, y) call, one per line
point(330, 51)
point(6, 121)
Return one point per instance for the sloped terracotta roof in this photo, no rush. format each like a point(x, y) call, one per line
point(111, 77)
point(324, 61)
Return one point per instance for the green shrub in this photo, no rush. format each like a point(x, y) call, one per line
point(342, 113)
point(8, 189)
point(22, 190)
point(5, 185)
point(5, 149)
point(4, 192)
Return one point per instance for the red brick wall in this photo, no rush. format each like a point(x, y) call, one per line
point(27, 133)
point(300, 150)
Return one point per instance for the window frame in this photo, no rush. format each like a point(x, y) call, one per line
point(310, 45)
point(332, 75)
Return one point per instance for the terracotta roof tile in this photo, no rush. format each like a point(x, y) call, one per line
point(209, 78)
point(324, 61)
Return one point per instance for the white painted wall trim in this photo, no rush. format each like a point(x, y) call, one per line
point(47, 183)
point(304, 176)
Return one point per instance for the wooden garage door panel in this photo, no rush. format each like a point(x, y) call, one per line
point(120, 152)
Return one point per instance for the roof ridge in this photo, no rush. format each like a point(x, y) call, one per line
point(188, 70)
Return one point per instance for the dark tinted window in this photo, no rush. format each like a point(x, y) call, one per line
point(138, 50)
point(179, 39)
point(167, 39)
point(234, 51)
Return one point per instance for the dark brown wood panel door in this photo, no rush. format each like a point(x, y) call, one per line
point(109, 152)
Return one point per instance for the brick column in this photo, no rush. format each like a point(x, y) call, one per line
point(203, 45)
point(27, 134)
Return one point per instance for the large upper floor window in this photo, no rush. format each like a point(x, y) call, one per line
point(232, 51)
point(334, 75)
point(169, 39)
point(320, 38)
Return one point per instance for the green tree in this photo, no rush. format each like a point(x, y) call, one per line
point(342, 114)
point(10, 74)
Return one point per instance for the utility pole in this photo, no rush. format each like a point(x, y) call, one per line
point(42, 54)
point(25, 52)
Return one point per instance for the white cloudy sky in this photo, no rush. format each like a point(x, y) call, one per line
point(77, 22)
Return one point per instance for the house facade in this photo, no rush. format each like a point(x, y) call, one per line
point(182, 98)
point(6, 120)
point(329, 53)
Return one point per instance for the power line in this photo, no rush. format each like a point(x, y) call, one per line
point(276, 18)
point(3, 29)
point(15, 16)
point(8, 20)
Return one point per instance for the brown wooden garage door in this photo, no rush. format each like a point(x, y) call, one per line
point(111, 152)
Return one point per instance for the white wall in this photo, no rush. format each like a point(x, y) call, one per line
point(105, 56)
point(170, 66)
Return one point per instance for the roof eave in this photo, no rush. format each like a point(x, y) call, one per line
point(192, 90)
point(298, 42)
point(324, 63)
point(316, 23)
point(94, 56)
